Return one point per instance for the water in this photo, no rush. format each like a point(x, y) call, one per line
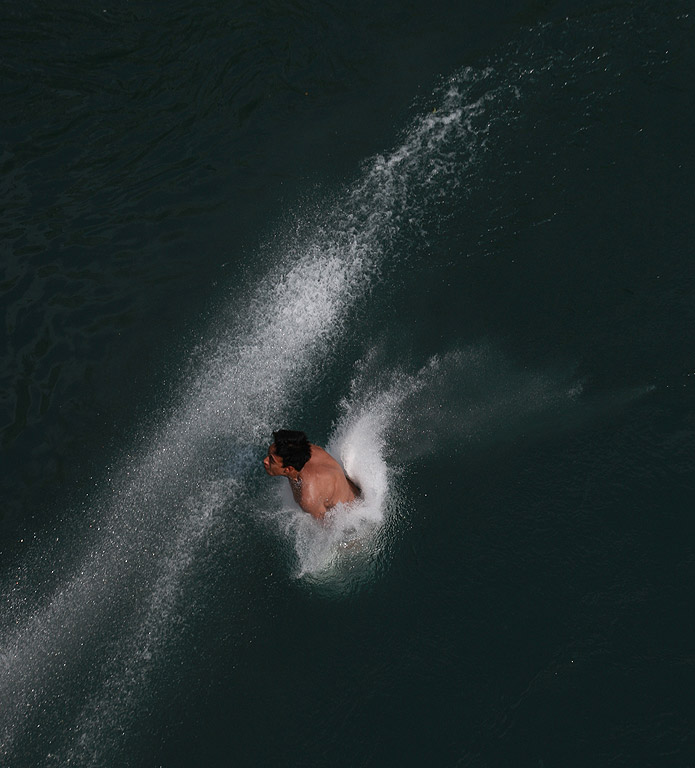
point(450, 245)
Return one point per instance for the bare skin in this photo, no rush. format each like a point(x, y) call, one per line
point(319, 486)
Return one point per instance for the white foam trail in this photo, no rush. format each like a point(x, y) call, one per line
point(96, 634)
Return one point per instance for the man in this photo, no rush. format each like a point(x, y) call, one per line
point(317, 481)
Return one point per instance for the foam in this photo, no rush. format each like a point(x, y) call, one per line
point(82, 648)
point(467, 399)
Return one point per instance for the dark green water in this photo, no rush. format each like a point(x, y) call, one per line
point(454, 243)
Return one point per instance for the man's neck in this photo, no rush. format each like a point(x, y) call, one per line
point(295, 479)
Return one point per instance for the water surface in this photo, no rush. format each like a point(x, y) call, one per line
point(451, 243)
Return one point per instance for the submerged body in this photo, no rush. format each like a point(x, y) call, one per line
point(319, 484)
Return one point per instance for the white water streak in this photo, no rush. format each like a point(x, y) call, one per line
point(163, 502)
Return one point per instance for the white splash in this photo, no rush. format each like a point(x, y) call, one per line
point(115, 594)
point(348, 533)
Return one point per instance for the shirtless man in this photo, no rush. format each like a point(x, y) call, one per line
point(317, 481)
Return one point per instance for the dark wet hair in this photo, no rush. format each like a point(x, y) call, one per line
point(292, 447)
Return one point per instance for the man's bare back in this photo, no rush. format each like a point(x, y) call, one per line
point(319, 484)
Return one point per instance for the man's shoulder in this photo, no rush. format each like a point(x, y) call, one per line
point(321, 470)
point(321, 458)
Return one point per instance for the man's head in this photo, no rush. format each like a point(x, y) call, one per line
point(291, 450)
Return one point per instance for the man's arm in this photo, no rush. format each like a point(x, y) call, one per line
point(313, 504)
